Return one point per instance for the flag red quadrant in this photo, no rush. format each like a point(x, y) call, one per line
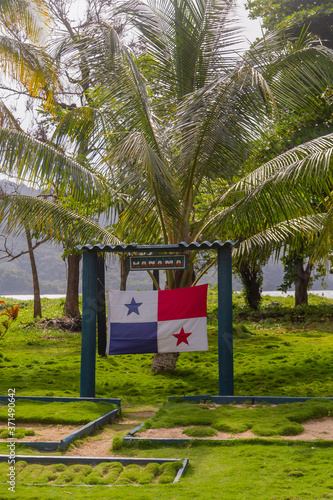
point(182, 303)
point(159, 321)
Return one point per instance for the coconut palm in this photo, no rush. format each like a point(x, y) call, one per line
point(24, 26)
point(29, 16)
point(176, 120)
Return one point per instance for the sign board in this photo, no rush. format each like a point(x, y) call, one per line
point(159, 262)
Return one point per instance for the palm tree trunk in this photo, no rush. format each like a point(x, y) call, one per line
point(123, 271)
point(164, 361)
point(71, 307)
point(35, 281)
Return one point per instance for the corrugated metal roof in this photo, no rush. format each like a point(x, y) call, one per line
point(180, 247)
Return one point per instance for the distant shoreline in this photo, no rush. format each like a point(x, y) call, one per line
point(291, 293)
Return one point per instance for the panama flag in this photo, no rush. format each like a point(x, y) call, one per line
point(159, 321)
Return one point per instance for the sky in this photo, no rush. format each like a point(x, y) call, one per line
point(252, 28)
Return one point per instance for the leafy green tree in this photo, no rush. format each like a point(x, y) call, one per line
point(281, 136)
point(166, 125)
point(294, 15)
point(296, 177)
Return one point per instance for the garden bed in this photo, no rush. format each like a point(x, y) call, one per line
point(60, 471)
point(310, 420)
point(34, 413)
point(313, 430)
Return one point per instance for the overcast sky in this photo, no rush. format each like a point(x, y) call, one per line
point(252, 28)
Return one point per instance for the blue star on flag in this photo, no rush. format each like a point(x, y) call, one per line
point(133, 307)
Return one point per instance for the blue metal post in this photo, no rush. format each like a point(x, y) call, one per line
point(225, 337)
point(89, 309)
point(101, 309)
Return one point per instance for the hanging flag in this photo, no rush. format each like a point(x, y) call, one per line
point(158, 321)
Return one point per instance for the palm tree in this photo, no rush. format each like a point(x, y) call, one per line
point(173, 122)
point(24, 25)
point(291, 181)
point(31, 17)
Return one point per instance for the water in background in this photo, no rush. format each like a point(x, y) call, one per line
point(324, 293)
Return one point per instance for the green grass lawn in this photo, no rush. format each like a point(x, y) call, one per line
point(287, 355)
point(76, 413)
point(104, 473)
point(234, 472)
point(279, 351)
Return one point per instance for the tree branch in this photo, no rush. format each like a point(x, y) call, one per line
point(9, 253)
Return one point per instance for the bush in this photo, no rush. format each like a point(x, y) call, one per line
point(117, 443)
point(200, 431)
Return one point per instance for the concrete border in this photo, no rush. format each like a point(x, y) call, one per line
point(226, 400)
point(48, 460)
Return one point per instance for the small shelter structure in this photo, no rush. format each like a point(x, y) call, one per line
point(93, 305)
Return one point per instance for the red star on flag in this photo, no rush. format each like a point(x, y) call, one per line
point(182, 337)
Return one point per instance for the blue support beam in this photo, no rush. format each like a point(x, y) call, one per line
point(101, 307)
point(89, 311)
point(225, 336)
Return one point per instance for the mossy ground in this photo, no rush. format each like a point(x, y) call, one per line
point(279, 351)
point(236, 471)
point(44, 412)
point(102, 474)
point(280, 357)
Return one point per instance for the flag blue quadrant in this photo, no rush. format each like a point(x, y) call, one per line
point(133, 338)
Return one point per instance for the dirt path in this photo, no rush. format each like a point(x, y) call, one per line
point(43, 432)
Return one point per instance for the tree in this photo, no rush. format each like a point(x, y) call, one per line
point(296, 272)
point(280, 137)
point(169, 123)
point(294, 15)
point(67, 90)
point(293, 178)
point(202, 138)
point(10, 255)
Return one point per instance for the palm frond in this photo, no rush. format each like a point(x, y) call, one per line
point(31, 17)
point(216, 124)
point(309, 164)
point(29, 65)
point(150, 180)
point(274, 239)
point(36, 162)
point(324, 246)
point(299, 77)
point(50, 219)
point(7, 119)
point(188, 40)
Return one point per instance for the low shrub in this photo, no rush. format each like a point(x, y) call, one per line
point(200, 431)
